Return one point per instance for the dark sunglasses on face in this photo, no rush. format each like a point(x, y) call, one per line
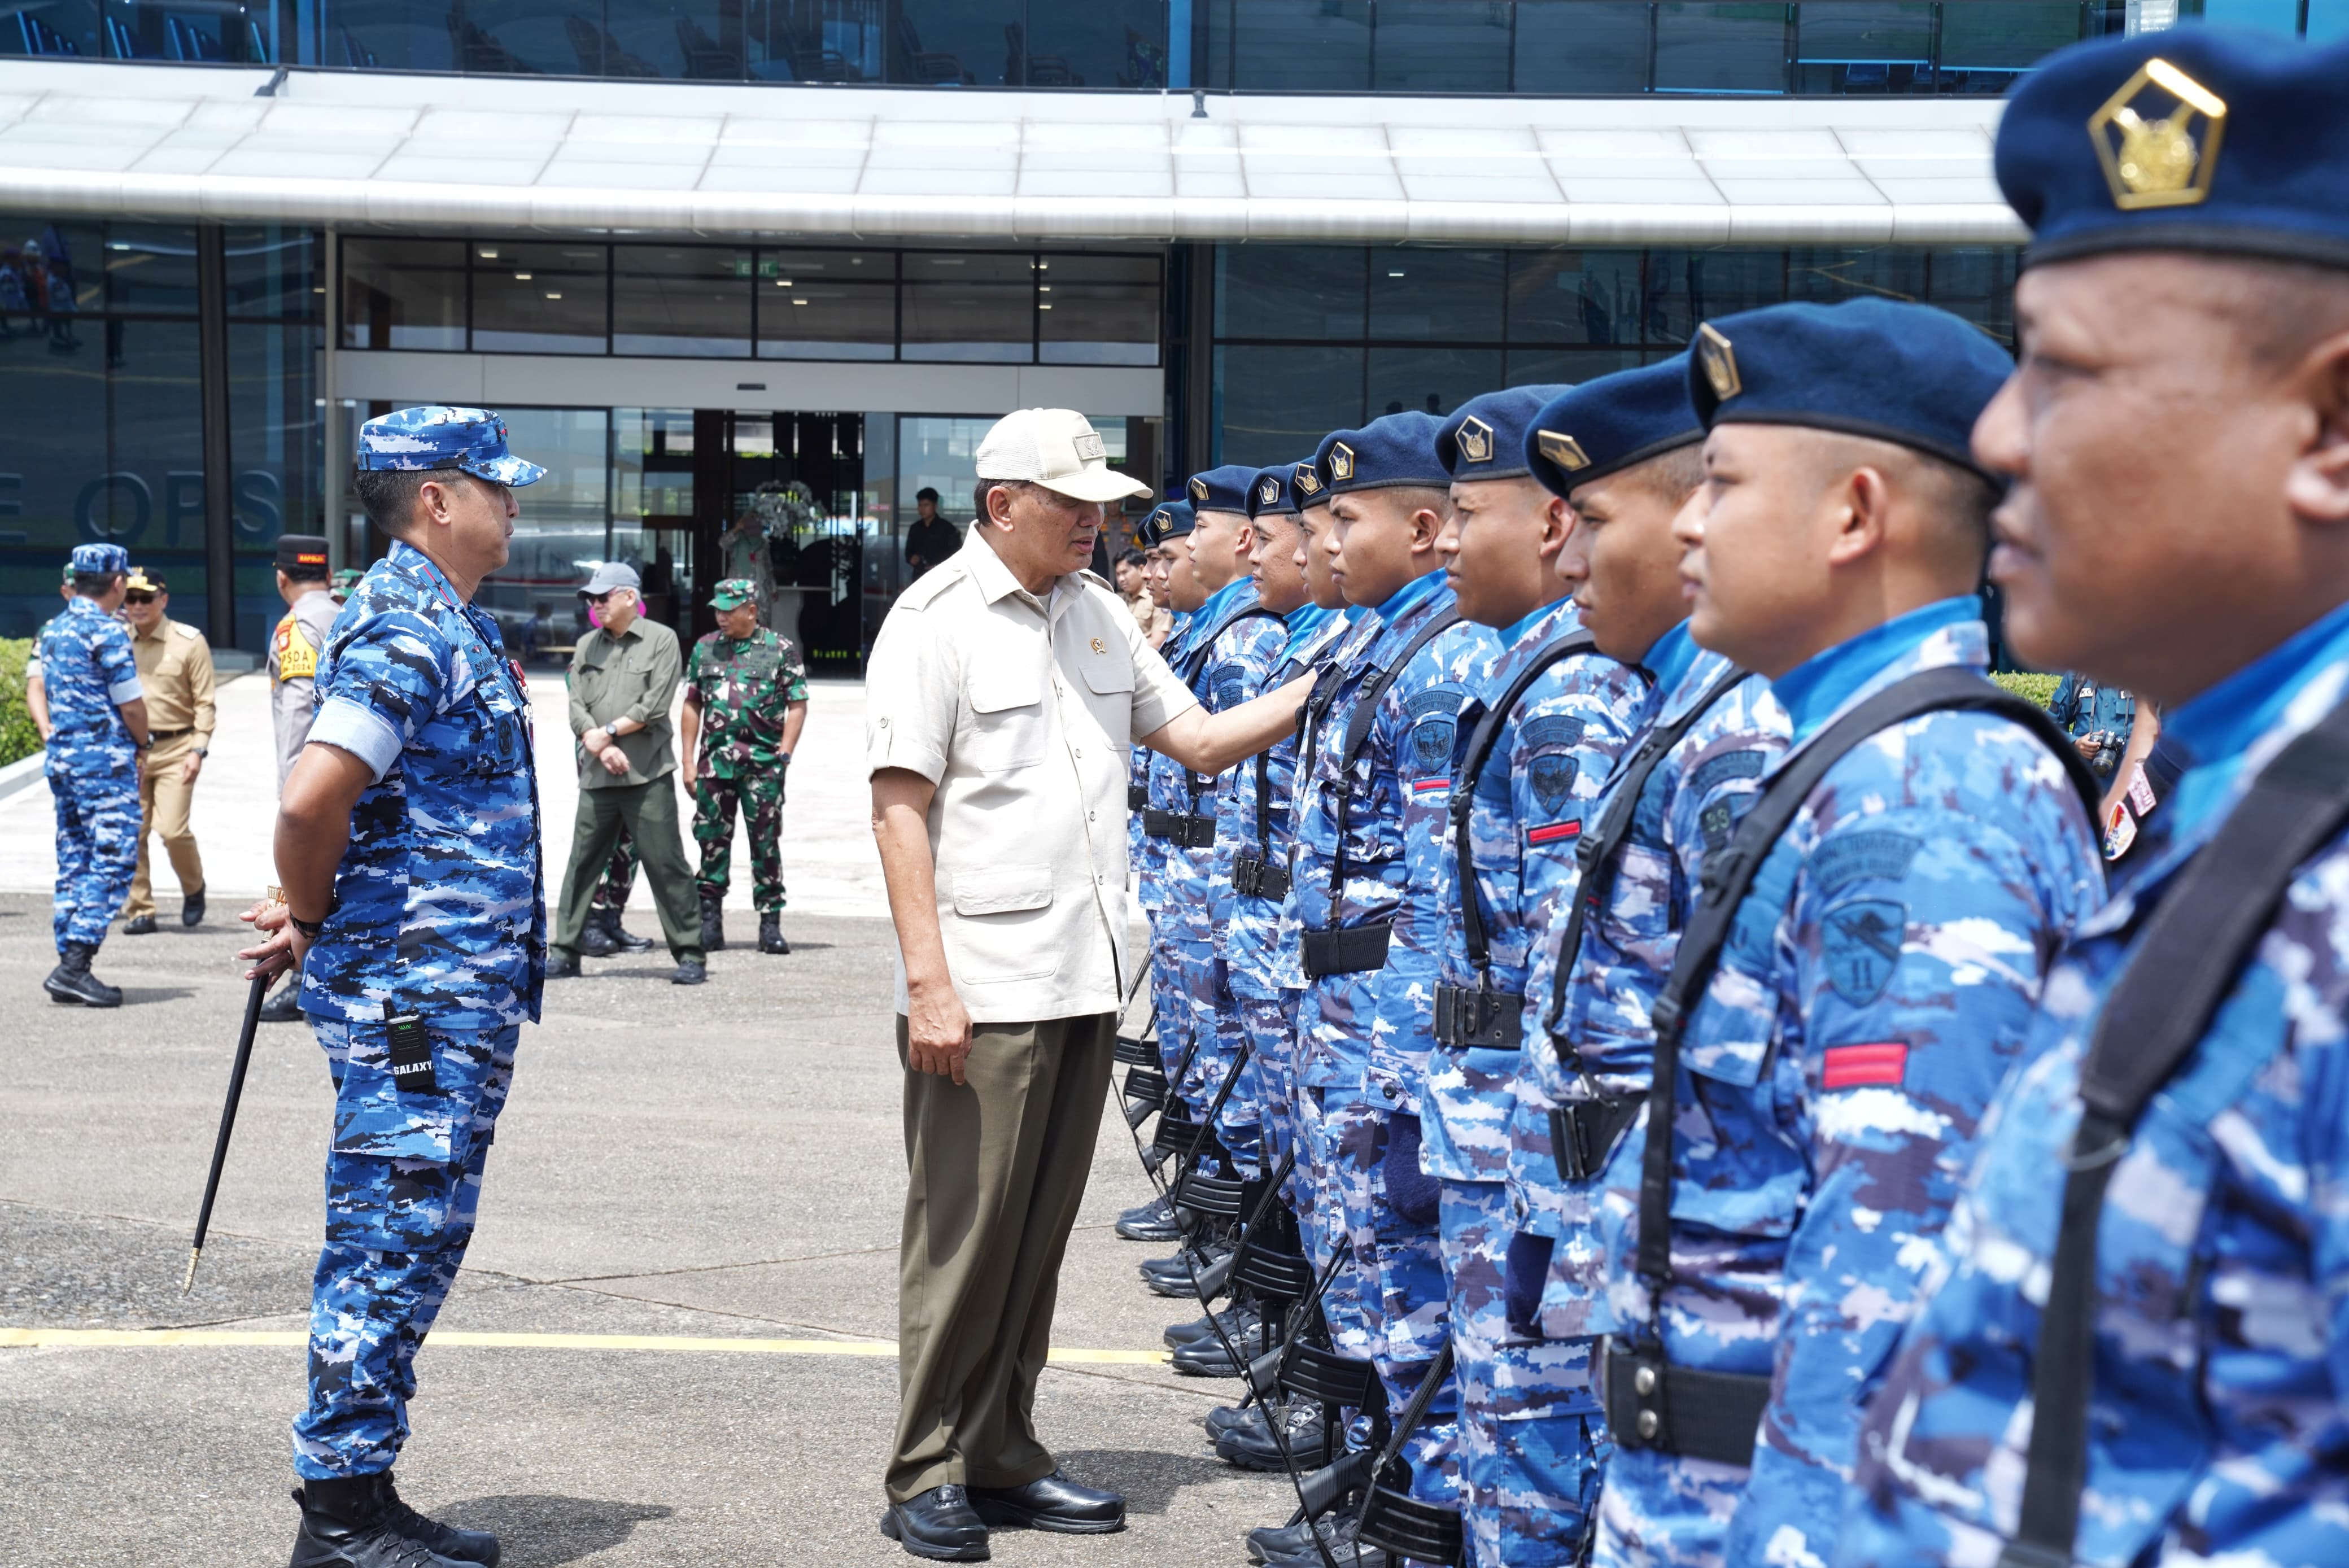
point(139, 598)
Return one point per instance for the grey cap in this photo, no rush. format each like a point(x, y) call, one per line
point(610, 575)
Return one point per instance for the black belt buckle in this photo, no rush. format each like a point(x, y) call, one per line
point(1137, 796)
point(1247, 866)
point(1198, 831)
point(1583, 1134)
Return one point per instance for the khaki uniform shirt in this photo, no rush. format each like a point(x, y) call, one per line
point(175, 674)
point(630, 676)
point(295, 645)
point(1021, 714)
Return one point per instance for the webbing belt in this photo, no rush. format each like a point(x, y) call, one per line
point(1189, 829)
point(2185, 961)
point(1648, 1399)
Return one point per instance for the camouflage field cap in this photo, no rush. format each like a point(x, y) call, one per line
point(733, 594)
point(98, 558)
point(438, 436)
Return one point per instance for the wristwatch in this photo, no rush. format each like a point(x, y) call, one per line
point(309, 928)
point(199, 751)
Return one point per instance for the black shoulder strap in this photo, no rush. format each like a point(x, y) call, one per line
point(1599, 851)
point(1195, 657)
point(2184, 962)
point(1729, 872)
point(1366, 706)
point(1481, 741)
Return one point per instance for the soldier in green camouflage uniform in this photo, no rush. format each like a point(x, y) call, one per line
point(745, 700)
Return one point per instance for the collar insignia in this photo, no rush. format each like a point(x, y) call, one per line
point(1719, 362)
point(1341, 461)
point(2152, 162)
point(1475, 441)
point(1564, 450)
point(1098, 647)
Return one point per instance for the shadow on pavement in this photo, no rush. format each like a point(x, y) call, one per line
point(142, 995)
point(543, 1531)
point(1149, 1477)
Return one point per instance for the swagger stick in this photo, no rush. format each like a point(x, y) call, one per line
point(228, 1114)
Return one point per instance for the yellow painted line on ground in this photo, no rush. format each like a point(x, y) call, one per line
point(288, 1338)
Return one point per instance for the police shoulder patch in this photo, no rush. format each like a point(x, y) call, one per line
point(1861, 940)
point(1551, 729)
point(1713, 771)
point(1552, 775)
point(1882, 856)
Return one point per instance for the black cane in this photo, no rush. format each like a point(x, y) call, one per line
point(228, 1122)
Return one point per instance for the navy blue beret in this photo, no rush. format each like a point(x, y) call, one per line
point(1399, 449)
point(2201, 138)
point(1273, 491)
point(1875, 368)
point(1603, 426)
point(1485, 437)
point(1169, 520)
point(1223, 490)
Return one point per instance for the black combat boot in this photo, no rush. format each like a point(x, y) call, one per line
point(459, 1546)
point(713, 923)
point(771, 934)
point(354, 1523)
point(71, 980)
point(596, 936)
point(285, 1004)
point(621, 939)
point(191, 909)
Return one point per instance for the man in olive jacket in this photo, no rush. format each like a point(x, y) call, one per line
point(624, 677)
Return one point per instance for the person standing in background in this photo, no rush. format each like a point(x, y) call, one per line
point(175, 669)
point(746, 700)
point(295, 645)
point(932, 538)
point(624, 677)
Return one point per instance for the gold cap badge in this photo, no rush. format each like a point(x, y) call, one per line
point(1341, 461)
point(1475, 441)
point(1099, 646)
point(1200, 490)
point(1268, 492)
point(1307, 482)
point(2159, 162)
point(1719, 362)
point(1564, 450)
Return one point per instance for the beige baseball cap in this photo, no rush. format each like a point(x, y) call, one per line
point(1058, 448)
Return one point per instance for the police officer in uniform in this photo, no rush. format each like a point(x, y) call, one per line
point(2136, 1351)
point(745, 703)
point(408, 843)
point(95, 732)
point(294, 644)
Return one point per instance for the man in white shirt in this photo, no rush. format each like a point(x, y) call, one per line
point(1001, 696)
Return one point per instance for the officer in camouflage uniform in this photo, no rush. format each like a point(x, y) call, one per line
point(2192, 558)
point(746, 698)
point(344, 582)
point(1386, 806)
point(1874, 988)
point(97, 727)
point(408, 845)
point(1449, 1050)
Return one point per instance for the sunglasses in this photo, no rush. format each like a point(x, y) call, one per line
point(139, 598)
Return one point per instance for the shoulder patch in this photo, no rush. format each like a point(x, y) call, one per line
point(1720, 819)
point(1861, 940)
point(1552, 729)
point(1884, 857)
point(1747, 764)
point(1442, 699)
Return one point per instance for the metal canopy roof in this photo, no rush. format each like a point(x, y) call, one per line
point(403, 152)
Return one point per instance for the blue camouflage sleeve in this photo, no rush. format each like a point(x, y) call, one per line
point(118, 666)
point(383, 676)
point(1240, 672)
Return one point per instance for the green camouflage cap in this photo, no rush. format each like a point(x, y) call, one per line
point(733, 594)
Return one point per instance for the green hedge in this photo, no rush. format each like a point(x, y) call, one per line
point(2039, 689)
point(18, 738)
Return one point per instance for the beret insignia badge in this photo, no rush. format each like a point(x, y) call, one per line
point(2165, 161)
point(1475, 441)
point(1564, 450)
point(1341, 461)
point(1199, 489)
point(1307, 482)
point(1268, 492)
point(1719, 362)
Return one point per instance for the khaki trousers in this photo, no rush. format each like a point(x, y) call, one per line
point(163, 803)
point(995, 1170)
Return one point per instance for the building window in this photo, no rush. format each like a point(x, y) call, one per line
point(973, 308)
point(681, 301)
point(403, 294)
point(1098, 310)
point(827, 305)
point(541, 298)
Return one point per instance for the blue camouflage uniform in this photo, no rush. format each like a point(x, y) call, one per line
point(1162, 790)
point(1396, 794)
point(2085, 709)
point(439, 914)
point(89, 759)
point(1873, 991)
point(2218, 1431)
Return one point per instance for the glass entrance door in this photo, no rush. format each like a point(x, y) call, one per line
point(781, 501)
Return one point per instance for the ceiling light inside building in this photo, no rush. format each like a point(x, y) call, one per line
point(522, 277)
point(553, 295)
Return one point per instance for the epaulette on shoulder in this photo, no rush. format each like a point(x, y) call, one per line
point(926, 588)
point(185, 630)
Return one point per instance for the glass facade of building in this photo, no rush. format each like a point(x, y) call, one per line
point(1550, 47)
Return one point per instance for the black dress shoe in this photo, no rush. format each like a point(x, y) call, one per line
point(191, 909)
point(284, 1005)
point(138, 925)
point(1055, 1503)
point(939, 1523)
point(561, 965)
point(690, 972)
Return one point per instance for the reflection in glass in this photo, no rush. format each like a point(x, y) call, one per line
point(815, 40)
point(827, 305)
point(403, 294)
point(539, 298)
point(1986, 41)
point(1684, 287)
point(1274, 405)
point(1091, 43)
point(1571, 46)
point(273, 452)
point(1828, 273)
point(1327, 41)
point(387, 34)
point(1864, 48)
point(1441, 46)
point(1721, 49)
point(949, 43)
point(1571, 366)
point(560, 536)
point(1289, 291)
point(272, 272)
point(60, 29)
point(1435, 294)
point(1431, 380)
point(969, 308)
point(511, 37)
point(219, 31)
point(1098, 310)
point(1573, 296)
point(700, 39)
point(687, 301)
point(1976, 282)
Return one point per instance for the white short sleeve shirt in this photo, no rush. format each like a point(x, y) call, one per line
point(1020, 709)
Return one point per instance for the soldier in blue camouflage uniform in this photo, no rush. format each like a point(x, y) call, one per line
point(2192, 558)
point(1876, 984)
point(409, 845)
point(1528, 1465)
point(1382, 813)
point(96, 728)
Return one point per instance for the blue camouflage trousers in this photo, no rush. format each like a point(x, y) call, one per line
point(1322, 1219)
point(1399, 1269)
point(1529, 1470)
point(1217, 1027)
point(403, 1183)
point(1667, 1510)
point(1167, 999)
point(98, 849)
point(1270, 1029)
